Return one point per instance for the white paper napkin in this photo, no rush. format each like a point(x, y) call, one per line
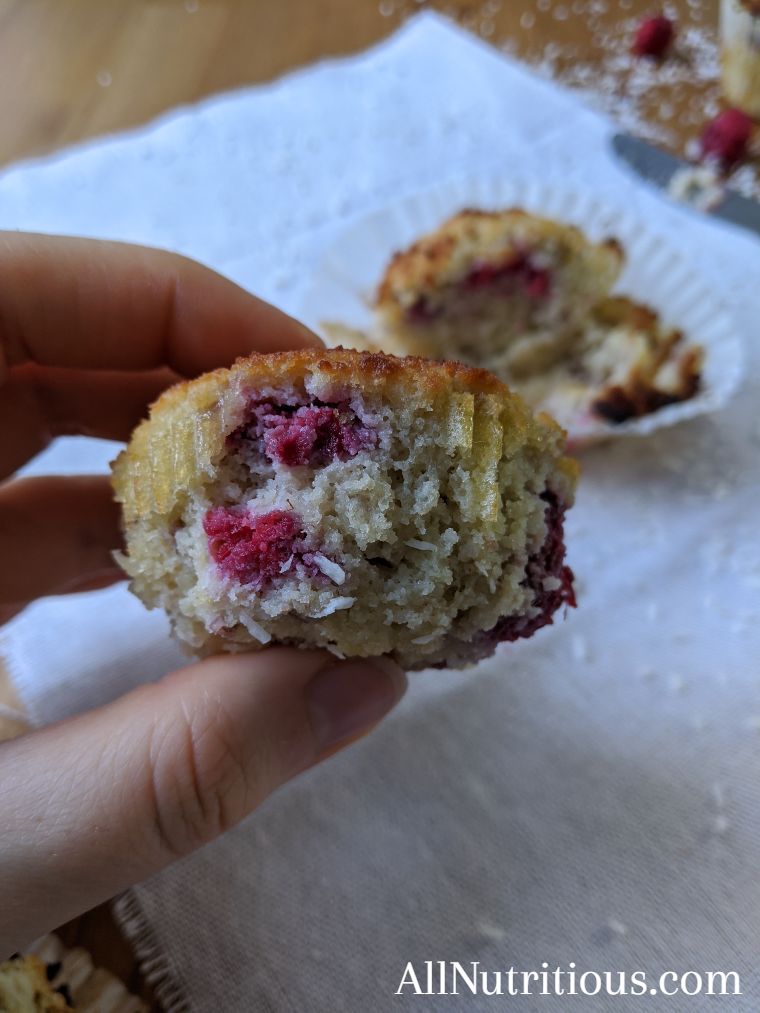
point(590, 796)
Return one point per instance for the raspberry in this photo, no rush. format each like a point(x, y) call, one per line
point(485, 274)
point(654, 37)
point(726, 138)
point(315, 436)
point(535, 280)
point(519, 270)
point(549, 561)
point(251, 548)
point(311, 435)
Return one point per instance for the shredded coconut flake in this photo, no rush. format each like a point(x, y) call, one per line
point(426, 639)
point(579, 648)
point(334, 606)
point(330, 569)
point(698, 186)
point(287, 564)
point(494, 932)
point(721, 824)
point(256, 631)
point(677, 683)
point(415, 543)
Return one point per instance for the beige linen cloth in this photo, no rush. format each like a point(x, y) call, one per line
point(592, 795)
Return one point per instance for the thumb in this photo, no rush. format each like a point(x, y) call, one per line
point(106, 799)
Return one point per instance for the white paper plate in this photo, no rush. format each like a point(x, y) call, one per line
point(657, 273)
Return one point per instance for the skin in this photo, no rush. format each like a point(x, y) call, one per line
point(90, 333)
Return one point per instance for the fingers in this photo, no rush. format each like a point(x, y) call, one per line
point(38, 404)
point(99, 802)
point(85, 304)
point(94, 582)
point(74, 315)
point(56, 535)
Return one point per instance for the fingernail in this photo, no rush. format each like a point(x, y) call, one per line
point(345, 699)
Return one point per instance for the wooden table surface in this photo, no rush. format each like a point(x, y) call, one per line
point(72, 69)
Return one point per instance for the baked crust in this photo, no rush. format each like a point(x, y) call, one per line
point(190, 421)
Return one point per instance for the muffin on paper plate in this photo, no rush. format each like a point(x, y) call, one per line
point(530, 299)
point(351, 501)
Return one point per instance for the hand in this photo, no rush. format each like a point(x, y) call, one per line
point(89, 334)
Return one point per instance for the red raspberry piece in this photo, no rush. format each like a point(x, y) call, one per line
point(654, 37)
point(535, 280)
point(251, 548)
point(311, 435)
point(483, 275)
point(315, 435)
point(549, 561)
point(537, 283)
point(726, 138)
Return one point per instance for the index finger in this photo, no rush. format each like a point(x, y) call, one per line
point(87, 304)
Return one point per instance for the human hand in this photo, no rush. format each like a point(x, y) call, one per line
point(90, 333)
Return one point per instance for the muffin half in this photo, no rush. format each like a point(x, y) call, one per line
point(502, 290)
point(352, 501)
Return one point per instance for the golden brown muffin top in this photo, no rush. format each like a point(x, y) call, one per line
point(375, 372)
point(189, 422)
point(442, 255)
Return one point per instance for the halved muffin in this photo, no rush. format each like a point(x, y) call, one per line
point(500, 290)
point(352, 501)
point(529, 299)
